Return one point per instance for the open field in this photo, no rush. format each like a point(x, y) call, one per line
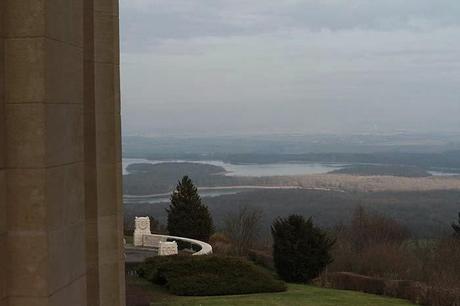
point(377, 183)
point(297, 295)
point(387, 170)
point(140, 290)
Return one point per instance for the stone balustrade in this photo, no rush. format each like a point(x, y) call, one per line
point(143, 238)
point(205, 248)
point(138, 254)
point(154, 241)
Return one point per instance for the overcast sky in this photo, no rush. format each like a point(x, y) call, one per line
point(212, 67)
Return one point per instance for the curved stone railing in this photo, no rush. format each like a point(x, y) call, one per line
point(205, 248)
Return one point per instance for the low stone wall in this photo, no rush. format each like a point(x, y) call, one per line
point(138, 254)
point(415, 292)
point(205, 248)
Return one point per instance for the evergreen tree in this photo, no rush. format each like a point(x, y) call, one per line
point(456, 227)
point(187, 216)
point(301, 251)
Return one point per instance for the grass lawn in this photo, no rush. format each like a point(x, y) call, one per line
point(297, 295)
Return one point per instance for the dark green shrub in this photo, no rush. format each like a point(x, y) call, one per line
point(301, 251)
point(416, 292)
point(209, 275)
point(149, 269)
point(456, 227)
point(262, 259)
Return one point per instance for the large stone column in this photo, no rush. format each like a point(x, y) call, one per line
point(3, 225)
point(104, 209)
point(60, 175)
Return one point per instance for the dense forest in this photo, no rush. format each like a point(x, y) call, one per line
point(426, 214)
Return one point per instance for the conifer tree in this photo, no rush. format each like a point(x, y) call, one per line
point(301, 251)
point(187, 216)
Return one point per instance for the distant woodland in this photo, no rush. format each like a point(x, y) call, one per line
point(161, 178)
point(425, 213)
point(426, 204)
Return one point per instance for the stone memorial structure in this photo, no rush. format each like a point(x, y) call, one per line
point(61, 237)
point(167, 248)
point(142, 228)
point(144, 238)
point(152, 241)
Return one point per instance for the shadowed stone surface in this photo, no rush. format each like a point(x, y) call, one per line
point(60, 154)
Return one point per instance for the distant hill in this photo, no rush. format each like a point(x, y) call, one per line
point(159, 178)
point(176, 169)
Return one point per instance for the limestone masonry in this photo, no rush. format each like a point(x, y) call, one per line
point(144, 238)
point(60, 154)
point(142, 227)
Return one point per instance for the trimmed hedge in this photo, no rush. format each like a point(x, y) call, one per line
point(355, 282)
point(208, 275)
point(415, 292)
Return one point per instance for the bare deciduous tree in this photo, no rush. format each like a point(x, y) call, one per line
point(456, 227)
point(369, 229)
point(243, 228)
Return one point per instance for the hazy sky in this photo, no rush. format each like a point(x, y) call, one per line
point(284, 66)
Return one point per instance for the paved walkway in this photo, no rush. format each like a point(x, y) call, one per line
point(137, 255)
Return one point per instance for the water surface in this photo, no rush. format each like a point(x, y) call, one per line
point(252, 170)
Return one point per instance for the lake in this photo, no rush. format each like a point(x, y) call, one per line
point(248, 170)
point(294, 168)
point(274, 169)
point(162, 198)
point(205, 192)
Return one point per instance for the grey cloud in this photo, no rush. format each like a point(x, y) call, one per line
point(299, 66)
point(182, 19)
